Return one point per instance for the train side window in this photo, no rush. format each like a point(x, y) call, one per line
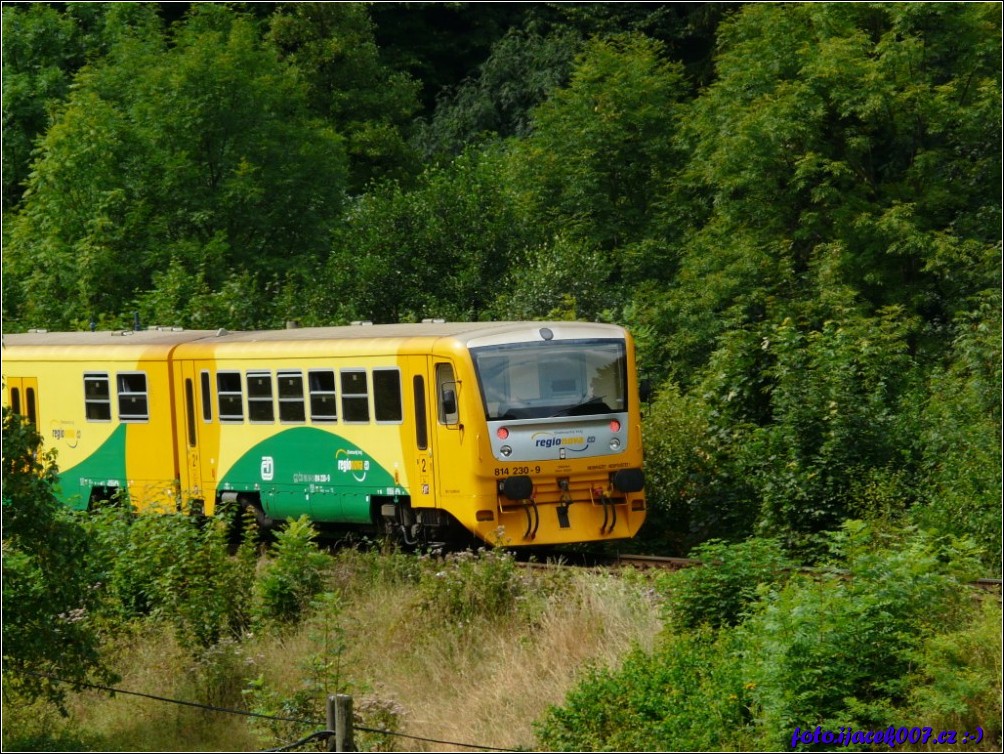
point(323, 406)
point(446, 392)
point(229, 396)
point(29, 404)
point(260, 408)
point(355, 396)
point(97, 397)
point(421, 424)
point(133, 401)
point(190, 412)
point(207, 397)
point(291, 397)
point(15, 400)
point(387, 396)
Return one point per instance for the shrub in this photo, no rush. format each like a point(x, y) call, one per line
point(49, 585)
point(692, 491)
point(836, 650)
point(956, 682)
point(961, 440)
point(719, 592)
point(466, 585)
point(178, 568)
point(364, 569)
point(686, 696)
point(320, 673)
point(294, 574)
point(840, 649)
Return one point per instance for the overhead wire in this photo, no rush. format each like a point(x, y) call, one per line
point(245, 713)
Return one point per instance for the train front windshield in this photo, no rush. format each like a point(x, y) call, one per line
point(552, 378)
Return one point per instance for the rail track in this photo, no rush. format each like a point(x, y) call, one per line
point(664, 563)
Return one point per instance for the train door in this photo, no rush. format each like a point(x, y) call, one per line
point(22, 397)
point(423, 489)
point(191, 472)
point(449, 433)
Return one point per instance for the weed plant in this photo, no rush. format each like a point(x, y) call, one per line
point(887, 634)
point(294, 573)
point(463, 586)
point(472, 647)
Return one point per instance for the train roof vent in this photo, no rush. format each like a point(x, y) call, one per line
point(37, 330)
point(121, 332)
point(362, 322)
point(165, 328)
point(221, 332)
point(433, 321)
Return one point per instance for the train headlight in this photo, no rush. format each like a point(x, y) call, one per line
point(615, 443)
point(505, 450)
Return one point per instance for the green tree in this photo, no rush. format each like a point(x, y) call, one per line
point(842, 147)
point(837, 215)
point(522, 70)
point(42, 50)
point(599, 152)
point(961, 435)
point(350, 86)
point(441, 249)
point(201, 152)
point(50, 597)
point(837, 419)
point(600, 147)
point(439, 43)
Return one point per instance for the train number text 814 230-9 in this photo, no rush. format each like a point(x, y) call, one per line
point(516, 470)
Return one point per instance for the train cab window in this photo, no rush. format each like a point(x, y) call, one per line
point(446, 394)
point(229, 396)
point(291, 397)
point(387, 396)
point(133, 405)
point(97, 397)
point(207, 397)
point(15, 400)
point(260, 408)
point(355, 396)
point(323, 407)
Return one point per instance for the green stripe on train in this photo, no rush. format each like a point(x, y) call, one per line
point(309, 471)
point(105, 467)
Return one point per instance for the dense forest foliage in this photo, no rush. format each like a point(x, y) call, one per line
point(796, 208)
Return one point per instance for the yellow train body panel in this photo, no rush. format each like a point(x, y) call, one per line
point(516, 433)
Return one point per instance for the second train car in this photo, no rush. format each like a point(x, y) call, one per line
point(518, 433)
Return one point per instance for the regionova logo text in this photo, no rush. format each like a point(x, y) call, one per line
point(575, 443)
point(352, 462)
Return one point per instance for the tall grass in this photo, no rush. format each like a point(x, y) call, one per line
point(468, 649)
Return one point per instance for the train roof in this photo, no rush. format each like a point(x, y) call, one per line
point(152, 337)
point(466, 332)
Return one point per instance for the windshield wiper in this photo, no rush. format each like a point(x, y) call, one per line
point(590, 406)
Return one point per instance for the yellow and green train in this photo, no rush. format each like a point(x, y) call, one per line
point(518, 433)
